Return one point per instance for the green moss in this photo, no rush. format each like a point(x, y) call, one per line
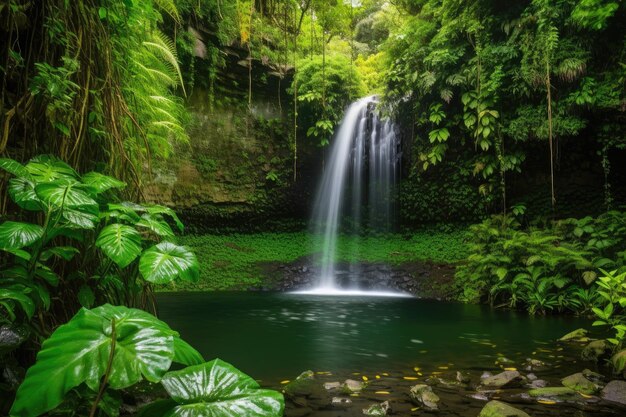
point(230, 262)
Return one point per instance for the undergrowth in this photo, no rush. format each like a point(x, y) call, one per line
point(233, 262)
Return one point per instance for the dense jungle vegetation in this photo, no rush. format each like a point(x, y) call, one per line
point(151, 145)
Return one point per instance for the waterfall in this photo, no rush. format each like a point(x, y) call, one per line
point(360, 173)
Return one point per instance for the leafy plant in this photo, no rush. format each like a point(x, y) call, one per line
point(111, 348)
point(109, 246)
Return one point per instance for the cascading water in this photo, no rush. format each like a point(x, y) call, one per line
point(363, 160)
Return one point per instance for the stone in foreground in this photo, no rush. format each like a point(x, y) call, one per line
point(423, 395)
point(350, 386)
point(578, 382)
point(499, 409)
point(503, 379)
point(615, 391)
point(377, 409)
point(578, 335)
point(554, 393)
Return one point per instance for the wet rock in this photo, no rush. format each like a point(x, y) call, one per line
point(423, 395)
point(350, 386)
point(339, 402)
point(463, 377)
point(305, 385)
point(615, 391)
point(594, 376)
point(499, 409)
point(578, 335)
point(531, 377)
point(578, 382)
point(534, 364)
point(538, 383)
point(485, 375)
point(503, 379)
point(554, 393)
point(11, 337)
point(377, 409)
point(332, 385)
point(594, 350)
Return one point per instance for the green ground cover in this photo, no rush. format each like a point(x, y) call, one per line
point(234, 261)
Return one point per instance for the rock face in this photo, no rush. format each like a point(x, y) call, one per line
point(615, 391)
point(499, 409)
point(503, 379)
point(423, 395)
point(578, 382)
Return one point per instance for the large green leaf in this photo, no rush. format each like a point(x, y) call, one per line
point(13, 167)
point(22, 191)
point(157, 209)
point(78, 352)
point(16, 235)
point(218, 389)
point(101, 183)
point(18, 294)
point(166, 261)
point(185, 354)
point(46, 168)
point(121, 243)
point(156, 224)
point(66, 194)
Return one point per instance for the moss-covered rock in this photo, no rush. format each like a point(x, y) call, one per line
point(578, 382)
point(305, 385)
point(594, 350)
point(554, 393)
point(499, 409)
point(377, 409)
point(578, 335)
point(504, 379)
point(423, 395)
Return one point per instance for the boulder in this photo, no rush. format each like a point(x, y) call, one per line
point(578, 335)
point(594, 350)
point(503, 380)
point(350, 386)
point(615, 391)
point(423, 395)
point(499, 409)
point(11, 337)
point(578, 382)
point(377, 409)
point(305, 385)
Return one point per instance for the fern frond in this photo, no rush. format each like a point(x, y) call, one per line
point(169, 7)
point(166, 50)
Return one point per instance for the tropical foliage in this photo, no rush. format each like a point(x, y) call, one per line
point(102, 351)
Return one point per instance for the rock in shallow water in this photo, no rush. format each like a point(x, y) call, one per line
point(503, 379)
point(350, 386)
point(377, 409)
point(594, 350)
point(554, 393)
point(423, 395)
point(499, 409)
point(578, 382)
point(578, 335)
point(615, 391)
point(305, 385)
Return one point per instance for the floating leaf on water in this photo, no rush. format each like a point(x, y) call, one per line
point(547, 402)
point(510, 369)
point(286, 381)
point(377, 376)
point(410, 378)
point(443, 367)
point(365, 378)
point(385, 374)
point(417, 341)
point(382, 392)
point(417, 369)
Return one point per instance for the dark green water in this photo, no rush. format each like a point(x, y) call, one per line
point(277, 336)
